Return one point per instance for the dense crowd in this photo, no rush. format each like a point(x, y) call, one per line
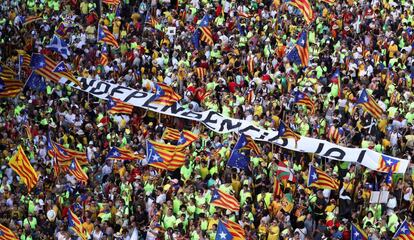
point(370, 42)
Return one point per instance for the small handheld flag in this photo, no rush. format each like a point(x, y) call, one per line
point(318, 178)
point(224, 200)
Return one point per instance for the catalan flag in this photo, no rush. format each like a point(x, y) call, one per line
point(75, 170)
point(21, 165)
point(320, 179)
point(200, 72)
point(244, 15)
point(24, 59)
point(250, 64)
point(404, 232)
point(186, 138)
point(387, 163)
point(31, 19)
point(75, 224)
point(277, 188)
point(207, 35)
point(9, 85)
point(224, 200)
point(285, 132)
point(65, 155)
point(51, 151)
point(122, 154)
point(335, 134)
point(164, 156)
point(305, 7)
point(116, 106)
point(300, 53)
point(62, 30)
point(111, 2)
point(357, 233)
point(104, 35)
point(285, 173)
point(28, 131)
point(171, 134)
point(165, 95)
point(329, 1)
point(46, 68)
point(304, 100)
point(229, 230)
point(250, 96)
point(7, 234)
point(104, 57)
point(246, 142)
point(369, 104)
point(151, 20)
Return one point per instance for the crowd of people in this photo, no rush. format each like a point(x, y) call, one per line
point(370, 42)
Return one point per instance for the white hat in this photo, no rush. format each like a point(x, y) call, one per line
point(51, 215)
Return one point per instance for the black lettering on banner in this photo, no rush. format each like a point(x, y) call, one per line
point(229, 125)
point(97, 90)
point(335, 151)
point(284, 143)
point(361, 156)
point(147, 104)
point(250, 128)
point(273, 139)
point(193, 115)
point(85, 84)
point(135, 95)
point(320, 147)
point(209, 119)
point(119, 89)
point(264, 135)
point(174, 109)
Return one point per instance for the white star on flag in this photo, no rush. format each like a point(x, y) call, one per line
point(223, 235)
point(155, 158)
point(314, 176)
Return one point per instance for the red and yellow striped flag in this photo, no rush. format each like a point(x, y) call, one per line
point(75, 170)
point(111, 2)
point(6, 233)
point(207, 36)
point(9, 86)
point(164, 156)
point(171, 134)
point(277, 188)
point(48, 70)
point(201, 72)
point(76, 225)
point(250, 64)
point(21, 165)
point(320, 179)
point(116, 106)
point(103, 60)
point(224, 200)
point(306, 9)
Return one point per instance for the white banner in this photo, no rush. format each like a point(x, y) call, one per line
point(216, 122)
